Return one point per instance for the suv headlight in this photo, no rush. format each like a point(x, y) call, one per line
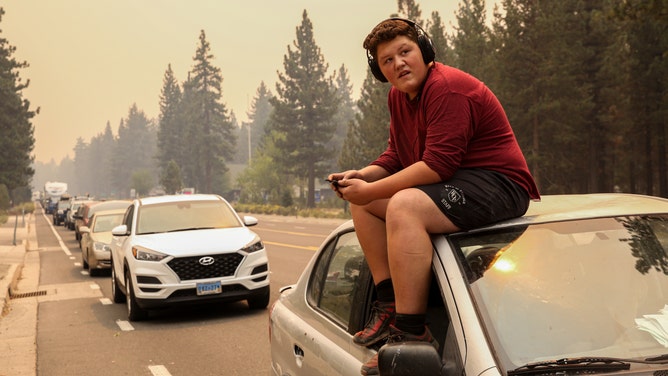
point(254, 246)
point(144, 254)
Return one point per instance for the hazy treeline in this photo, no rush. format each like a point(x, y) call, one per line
point(583, 83)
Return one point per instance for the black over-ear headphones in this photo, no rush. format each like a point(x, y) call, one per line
point(423, 41)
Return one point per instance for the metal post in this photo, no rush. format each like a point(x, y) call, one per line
point(16, 223)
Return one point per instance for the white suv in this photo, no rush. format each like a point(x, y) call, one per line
point(186, 249)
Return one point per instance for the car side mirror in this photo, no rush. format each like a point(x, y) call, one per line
point(409, 358)
point(250, 221)
point(84, 229)
point(121, 230)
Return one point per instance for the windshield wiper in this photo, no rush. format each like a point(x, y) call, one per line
point(588, 365)
point(191, 228)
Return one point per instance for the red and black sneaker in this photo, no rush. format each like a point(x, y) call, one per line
point(378, 327)
point(371, 366)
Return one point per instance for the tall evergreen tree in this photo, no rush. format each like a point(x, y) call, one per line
point(134, 151)
point(344, 115)
point(410, 9)
point(646, 31)
point(171, 133)
point(439, 38)
point(211, 131)
point(101, 152)
point(304, 107)
point(258, 117)
point(16, 130)
point(368, 133)
point(471, 38)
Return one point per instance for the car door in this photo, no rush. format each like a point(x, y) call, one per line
point(315, 323)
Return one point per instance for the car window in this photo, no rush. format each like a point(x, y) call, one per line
point(107, 222)
point(178, 216)
point(588, 284)
point(335, 278)
point(127, 218)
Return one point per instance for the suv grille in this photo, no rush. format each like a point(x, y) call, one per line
point(188, 268)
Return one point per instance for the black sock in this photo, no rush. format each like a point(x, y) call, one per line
point(413, 324)
point(385, 291)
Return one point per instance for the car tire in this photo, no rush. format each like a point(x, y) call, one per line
point(135, 312)
point(259, 301)
point(116, 292)
point(84, 263)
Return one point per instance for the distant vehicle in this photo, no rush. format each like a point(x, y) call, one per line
point(578, 285)
point(186, 249)
point(74, 206)
point(61, 209)
point(52, 192)
point(95, 251)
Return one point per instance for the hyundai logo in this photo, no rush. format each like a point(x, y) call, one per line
point(207, 260)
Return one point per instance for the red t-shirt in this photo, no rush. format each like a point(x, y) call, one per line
point(455, 122)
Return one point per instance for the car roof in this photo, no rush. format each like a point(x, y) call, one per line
point(178, 198)
point(109, 212)
point(557, 208)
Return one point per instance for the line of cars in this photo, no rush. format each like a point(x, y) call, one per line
point(172, 250)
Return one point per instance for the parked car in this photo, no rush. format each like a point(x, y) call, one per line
point(95, 251)
point(72, 210)
point(578, 284)
point(91, 208)
point(81, 218)
point(60, 211)
point(186, 249)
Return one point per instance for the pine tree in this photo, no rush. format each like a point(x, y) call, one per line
point(470, 40)
point(410, 9)
point(134, 150)
point(16, 130)
point(258, 117)
point(304, 107)
point(439, 38)
point(368, 133)
point(171, 133)
point(345, 113)
point(211, 130)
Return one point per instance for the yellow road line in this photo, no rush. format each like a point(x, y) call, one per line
point(291, 246)
point(292, 233)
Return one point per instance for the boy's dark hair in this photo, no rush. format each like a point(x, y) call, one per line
point(386, 31)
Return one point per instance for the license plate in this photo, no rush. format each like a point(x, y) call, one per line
point(209, 288)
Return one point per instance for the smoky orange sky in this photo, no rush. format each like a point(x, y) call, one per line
point(91, 60)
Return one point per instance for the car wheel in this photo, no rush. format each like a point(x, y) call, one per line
point(260, 301)
point(116, 292)
point(84, 263)
point(135, 312)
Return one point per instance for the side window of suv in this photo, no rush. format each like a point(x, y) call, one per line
point(335, 278)
point(127, 219)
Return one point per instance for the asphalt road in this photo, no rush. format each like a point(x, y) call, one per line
point(81, 332)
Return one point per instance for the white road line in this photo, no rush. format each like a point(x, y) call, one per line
point(84, 272)
point(94, 286)
point(159, 370)
point(60, 240)
point(106, 301)
point(125, 325)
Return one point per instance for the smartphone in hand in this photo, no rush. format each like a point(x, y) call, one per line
point(335, 183)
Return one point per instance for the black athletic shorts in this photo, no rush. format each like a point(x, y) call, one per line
point(475, 198)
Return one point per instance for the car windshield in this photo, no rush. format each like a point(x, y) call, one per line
point(106, 222)
point(63, 204)
point(181, 216)
point(594, 287)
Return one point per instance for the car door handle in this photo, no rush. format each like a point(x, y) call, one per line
point(299, 355)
